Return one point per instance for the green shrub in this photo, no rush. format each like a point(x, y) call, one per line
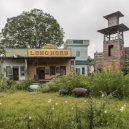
point(109, 82)
point(68, 82)
point(106, 81)
point(24, 85)
point(3, 84)
point(6, 84)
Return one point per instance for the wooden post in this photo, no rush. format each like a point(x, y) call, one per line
point(26, 69)
point(122, 36)
point(109, 37)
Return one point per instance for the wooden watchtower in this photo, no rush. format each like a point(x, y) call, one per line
point(113, 44)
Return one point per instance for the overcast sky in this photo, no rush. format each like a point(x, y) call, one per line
point(80, 19)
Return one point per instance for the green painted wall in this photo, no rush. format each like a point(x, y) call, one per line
point(16, 52)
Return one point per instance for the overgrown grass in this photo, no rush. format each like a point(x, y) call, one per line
point(37, 110)
point(33, 110)
point(109, 82)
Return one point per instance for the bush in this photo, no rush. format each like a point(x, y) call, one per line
point(63, 91)
point(68, 82)
point(109, 82)
point(24, 85)
point(3, 84)
point(6, 84)
point(106, 81)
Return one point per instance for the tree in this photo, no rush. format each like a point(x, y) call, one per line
point(32, 29)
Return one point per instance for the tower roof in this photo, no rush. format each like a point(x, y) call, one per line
point(118, 13)
point(114, 29)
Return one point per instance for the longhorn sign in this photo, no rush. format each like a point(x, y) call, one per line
point(49, 52)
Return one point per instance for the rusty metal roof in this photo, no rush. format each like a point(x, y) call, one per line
point(114, 29)
point(118, 13)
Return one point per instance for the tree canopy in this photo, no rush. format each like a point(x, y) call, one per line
point(32, 29)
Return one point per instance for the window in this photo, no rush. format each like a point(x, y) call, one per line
point(22, 70)
point(77, 53)
point(9, 71)
point(83, 70)
point(62, 70)
point(72, 62)
point(78, 41)
point(57, 69)
point(77, 70)
point(110, 50)
point(52, 70)
point(47, 71)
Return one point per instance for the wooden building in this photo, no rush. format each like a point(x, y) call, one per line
point(40, 64)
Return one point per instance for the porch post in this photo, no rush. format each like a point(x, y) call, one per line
point(26, 69)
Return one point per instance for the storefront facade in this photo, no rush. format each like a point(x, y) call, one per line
point(40, 64)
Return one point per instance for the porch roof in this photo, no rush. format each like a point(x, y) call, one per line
point(71, 57)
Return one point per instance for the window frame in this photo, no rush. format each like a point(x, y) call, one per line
point(83, 70)
point(22, 72)
point(62, 72)
point(10, 72)
point(52, 71)
point(78, 71)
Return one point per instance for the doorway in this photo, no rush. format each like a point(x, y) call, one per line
point(15, 73)
point(41, 73)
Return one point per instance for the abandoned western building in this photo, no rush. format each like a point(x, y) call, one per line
point(45, 63)
point(114, 52)
point(40, 64)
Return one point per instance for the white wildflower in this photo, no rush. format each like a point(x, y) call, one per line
point(122, 108)
point(105, 111)
point(85, 101)
point(56, 104)
point(66, 101)
point(72, 108)
point(30, 117)
point(0, 103)
point(103, 95)
point(52, 108)
point(49, 100)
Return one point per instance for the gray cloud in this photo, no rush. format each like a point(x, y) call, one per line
point(80, 19)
